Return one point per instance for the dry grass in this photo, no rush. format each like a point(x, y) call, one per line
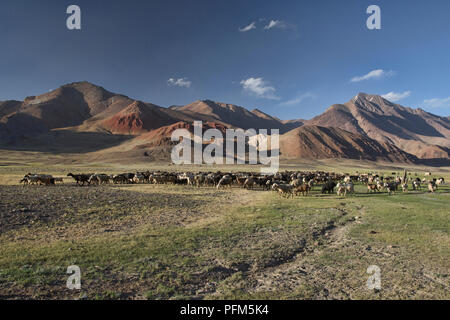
point(165, 242)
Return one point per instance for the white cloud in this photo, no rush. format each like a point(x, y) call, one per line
point(278, 24)
point(251, 26)
point(396, 96)
point(437, 102)
point(182, 82)
point(298, 99)
point(259, 88)
point(374, 74)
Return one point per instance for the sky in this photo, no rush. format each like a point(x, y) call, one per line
point(291, 59)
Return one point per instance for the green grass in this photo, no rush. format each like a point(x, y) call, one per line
point(236, 244)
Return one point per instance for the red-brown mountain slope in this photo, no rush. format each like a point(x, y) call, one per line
point(412, 130)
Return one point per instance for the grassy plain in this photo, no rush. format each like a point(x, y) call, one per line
point(180, 242)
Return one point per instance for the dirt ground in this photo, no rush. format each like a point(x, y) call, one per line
point(180, 242)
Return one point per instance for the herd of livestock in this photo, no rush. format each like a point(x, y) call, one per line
point(287, 184)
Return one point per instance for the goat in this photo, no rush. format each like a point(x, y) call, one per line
point(328, 187)
point(405, 187)
point(226, 180)
point(432, 186)
point(416, 184)
point(139, 178)
point(372, 188)
point(285, 190)
point(296, 183)
point(81, 179)
point(391, 187)
point(303, 189)
point(119, 179)
point(341, 189)
point(61, 180)
point(249, 183)
point(46, 180)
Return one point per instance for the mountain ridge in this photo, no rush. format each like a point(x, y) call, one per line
point(409, 129)
point(84, 107)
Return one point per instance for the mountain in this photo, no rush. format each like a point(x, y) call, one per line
point(69, 105)
point(66, 106)
point(315, 142)
point(8, 107)
point(136, 118)
point(82, 107)
point(232, 115)
point(154, 145)
point(292, 124)
point(81, 117)
point(412, 130)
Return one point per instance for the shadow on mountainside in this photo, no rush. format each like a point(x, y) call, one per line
point(64, 141)
point(439, 162)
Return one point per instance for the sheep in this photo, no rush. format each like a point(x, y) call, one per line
point(416, 184)
point(46, 180)
point(210, 180)
point(405, 187)
point(328, 187)
point(341, 190)
point(226, 180)
point(303, 189)
point(188, 177)
point(268, 184)
point(240, 180)
point(431, 187)
point(81, 179)
point(99, 179)
point(104, 179)
point(390, 187)
point(259, 181)
point(119, 179)
point(350, 187)
point(139, 178)
point(30, 180)
point(249, 183)
point(38, 179)
point(380, 185)
point(284, 190)
point(296, 183)
point(159, 180)
point(94, 180)
point(199, 179)
point(170, 179)
point(372, 188)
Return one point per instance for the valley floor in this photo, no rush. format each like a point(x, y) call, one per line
point(180, 242)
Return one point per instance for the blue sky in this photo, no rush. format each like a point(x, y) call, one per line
point(291, 59)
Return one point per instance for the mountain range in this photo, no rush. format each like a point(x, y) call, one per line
point(84, 118)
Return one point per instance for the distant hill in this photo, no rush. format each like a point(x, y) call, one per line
point(412, 130)
point(232, 115)
point(366, 127)
point(315, 142)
